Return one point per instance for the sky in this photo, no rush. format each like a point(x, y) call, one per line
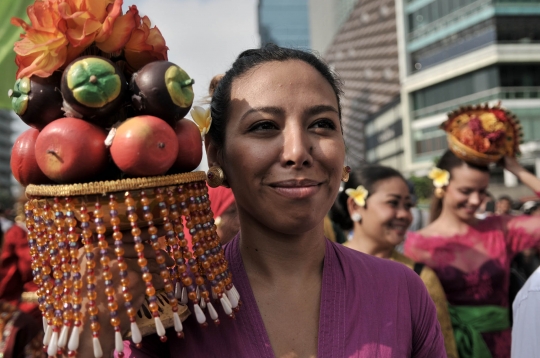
point(204, 36)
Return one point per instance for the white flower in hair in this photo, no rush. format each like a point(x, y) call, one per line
point(359, 195)
point(439, 176)
point(202, 118)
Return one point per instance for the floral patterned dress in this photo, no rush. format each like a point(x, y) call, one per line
point(474, 268)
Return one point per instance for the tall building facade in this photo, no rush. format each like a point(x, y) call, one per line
point(6, 143)
point(284, 23)
point(364, 53)
point(459, 52)
point(325, 19)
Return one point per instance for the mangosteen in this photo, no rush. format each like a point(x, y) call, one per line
point(37, 100)
point(162, 89)
point(93, 89)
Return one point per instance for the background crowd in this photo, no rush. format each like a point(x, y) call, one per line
point(457, 254)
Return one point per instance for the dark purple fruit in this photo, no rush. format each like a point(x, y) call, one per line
point(162, 89)
point(93, 89)
point(37, 100)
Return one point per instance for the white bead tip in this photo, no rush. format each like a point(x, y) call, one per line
point(178, 290)
point(232, 299)
point(160, 330)
point(73, 343)
point(235, 291)
point(199, 314)
point(98, 352)
point(48, 335)
point(177, 323)
point(64, 333)
point(184, 299)
point(226, 305)
point(227, 299)
point(118, 343)
point(52, 348)
point(202, 303)
point(135, 333)
point(212, 312)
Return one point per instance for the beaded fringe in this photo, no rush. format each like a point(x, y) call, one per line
point(61, 219)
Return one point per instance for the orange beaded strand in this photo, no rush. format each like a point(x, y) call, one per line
point(91, 294)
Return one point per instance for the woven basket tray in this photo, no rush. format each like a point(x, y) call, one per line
point(470, 155)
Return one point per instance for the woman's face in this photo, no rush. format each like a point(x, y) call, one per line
point(284, 151)
point(387, 214)
point(465, 192)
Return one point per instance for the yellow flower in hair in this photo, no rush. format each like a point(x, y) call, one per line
point(202, 118)
point(439, 176)
point(359, 195)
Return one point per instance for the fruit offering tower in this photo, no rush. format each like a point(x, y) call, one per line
point(108, 162)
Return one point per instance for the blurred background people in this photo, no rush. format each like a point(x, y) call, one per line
point(376, 205)
point(472, 257)
point(225, 214)
point(487, 208)
point(504, 205)
point(526, 328)
point(21, 325)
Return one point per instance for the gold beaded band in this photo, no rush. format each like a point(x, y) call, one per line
point(104, 187)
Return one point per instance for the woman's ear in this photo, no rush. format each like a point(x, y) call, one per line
point(351, 206)
point(212, 153)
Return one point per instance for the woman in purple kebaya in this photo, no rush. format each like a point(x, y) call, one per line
point(277, 136)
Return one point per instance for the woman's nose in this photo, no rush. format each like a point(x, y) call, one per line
point(297, 148)
point(475, 199)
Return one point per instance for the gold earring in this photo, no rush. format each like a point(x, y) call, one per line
point(345, 173)
point(439, 193)
point(215, 176)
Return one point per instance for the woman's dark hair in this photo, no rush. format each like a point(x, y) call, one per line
point(448, 162)
point(248, 60)
point(368, 176)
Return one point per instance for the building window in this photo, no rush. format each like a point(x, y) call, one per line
point(429, 140)
point(507, 81)
point(457, 87)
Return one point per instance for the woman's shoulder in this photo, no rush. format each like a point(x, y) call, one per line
point(367, 267)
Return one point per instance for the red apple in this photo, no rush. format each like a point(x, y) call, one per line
point(144, 146)
point(189, 146)
point(23, 160)
point(70, 150)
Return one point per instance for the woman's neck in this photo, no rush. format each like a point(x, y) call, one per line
point(451, 224)
point(363, 243)
point(274, 255)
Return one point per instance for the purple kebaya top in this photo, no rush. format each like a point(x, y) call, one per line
point(369, 308)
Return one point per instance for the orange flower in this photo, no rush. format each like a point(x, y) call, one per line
point(42, 49)
point(99, 21)
point(146, 44)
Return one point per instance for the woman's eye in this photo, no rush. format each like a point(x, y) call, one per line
point(324, 123)
point(262, 126)
point(393, 203)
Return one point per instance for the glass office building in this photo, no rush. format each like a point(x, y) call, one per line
point(284, 22)
point(459, 52)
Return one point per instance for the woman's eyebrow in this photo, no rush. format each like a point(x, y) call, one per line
point(312, 111)
point(265, 109)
